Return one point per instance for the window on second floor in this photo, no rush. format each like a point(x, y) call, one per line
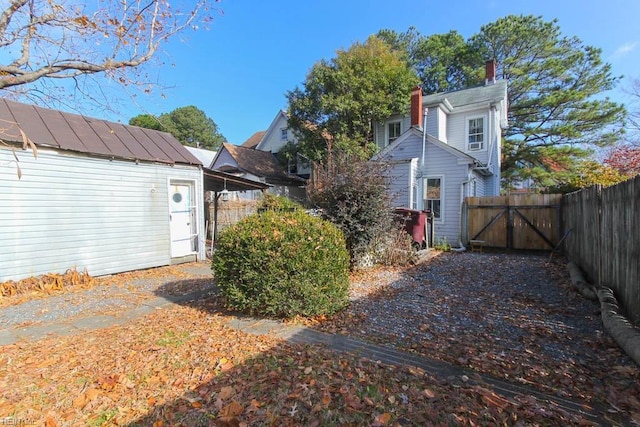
point(475, 133)
point(284, 134)
point(393, 131)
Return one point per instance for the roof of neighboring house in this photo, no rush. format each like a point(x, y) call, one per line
point(74, 132)
point(205, 156)
point(259, 163)
point(254, 139)
point(458, 98)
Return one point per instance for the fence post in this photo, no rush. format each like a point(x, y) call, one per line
point(600, 232)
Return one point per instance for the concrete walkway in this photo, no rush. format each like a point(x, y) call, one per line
point(301, 335)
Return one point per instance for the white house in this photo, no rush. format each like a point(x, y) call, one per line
point(455, 155)
point(100, 195)
point(260, 166)
point(275, 138)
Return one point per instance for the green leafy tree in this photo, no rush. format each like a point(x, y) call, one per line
point(588, 173)
point(554, 93)
point(553, 84)
point(146, 121)
point(443, 62)
point(341, 98)
point(189, 125)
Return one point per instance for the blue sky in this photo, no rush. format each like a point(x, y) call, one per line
point(239, 70)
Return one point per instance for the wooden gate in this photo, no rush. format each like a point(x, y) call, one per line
point(530, 221)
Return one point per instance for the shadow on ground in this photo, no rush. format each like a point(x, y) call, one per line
point(473, 306)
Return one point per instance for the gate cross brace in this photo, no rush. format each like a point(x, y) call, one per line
point(534, 228)
point(495, 218)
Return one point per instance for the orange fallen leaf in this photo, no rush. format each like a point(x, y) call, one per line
point(326, 399)
point(383, 419)
point(231, 410)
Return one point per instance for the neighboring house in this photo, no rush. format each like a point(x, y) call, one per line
point(458, 155)
point(275, 139)
point(261, 166)
point(100, 196)
point(254, 139)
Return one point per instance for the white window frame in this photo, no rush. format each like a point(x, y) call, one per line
point(387, 134)
point(284, 134)
point(425, 201)
point(483, 145)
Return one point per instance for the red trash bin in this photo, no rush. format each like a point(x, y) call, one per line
point(414, 223)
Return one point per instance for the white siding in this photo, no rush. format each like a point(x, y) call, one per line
point(437, 123)
point(271, 140)
point(439, 163)
point(481, 185)
point(457, 131)
point(224, 159)
point(380, 129)
point(402, 182)
point(72, 211)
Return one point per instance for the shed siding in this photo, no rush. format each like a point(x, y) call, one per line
point(74, 211)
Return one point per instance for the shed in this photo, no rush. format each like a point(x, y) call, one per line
point(100, 196)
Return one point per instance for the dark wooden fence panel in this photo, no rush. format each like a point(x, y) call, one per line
point(605, 239)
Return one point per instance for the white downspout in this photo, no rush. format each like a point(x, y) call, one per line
point(424, 139)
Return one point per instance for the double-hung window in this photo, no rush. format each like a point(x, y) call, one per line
point(433, 196)
point(475, 133)
point(284, 134)
point(393, 131)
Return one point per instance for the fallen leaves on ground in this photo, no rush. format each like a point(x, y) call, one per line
point(184, 366)
point(72, 281)
point(515, 317)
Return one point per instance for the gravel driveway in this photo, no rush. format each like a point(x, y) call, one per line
point(514, 316)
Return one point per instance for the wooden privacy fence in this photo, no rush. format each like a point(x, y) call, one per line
point(604, 239)
point(523, 221)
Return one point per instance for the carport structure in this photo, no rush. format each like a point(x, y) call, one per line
point(221, 183)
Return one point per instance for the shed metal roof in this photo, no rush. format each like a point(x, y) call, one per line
point(74, 132)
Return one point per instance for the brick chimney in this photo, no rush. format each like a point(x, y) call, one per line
point(490, 72)
point(416, 107)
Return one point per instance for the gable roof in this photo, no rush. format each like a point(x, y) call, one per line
point(254, 139)
point(494, 92)
point(258, 163)
point(417, 133)
point(81, 134)
point(281, 115)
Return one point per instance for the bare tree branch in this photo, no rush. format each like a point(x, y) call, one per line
point(64, 39)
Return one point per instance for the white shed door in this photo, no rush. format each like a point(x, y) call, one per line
point(182, 216)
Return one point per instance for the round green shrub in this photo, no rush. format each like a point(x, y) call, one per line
point(282, 264)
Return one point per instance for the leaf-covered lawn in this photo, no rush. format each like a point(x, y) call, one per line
point(185, 366)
